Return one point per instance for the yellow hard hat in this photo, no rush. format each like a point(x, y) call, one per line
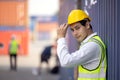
point(77, 15)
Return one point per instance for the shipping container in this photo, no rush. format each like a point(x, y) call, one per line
point(13, 20)
point(22, 38)
point(13, 13)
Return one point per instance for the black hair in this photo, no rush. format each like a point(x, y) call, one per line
point(83, 22)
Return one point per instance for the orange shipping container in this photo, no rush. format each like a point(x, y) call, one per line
point(22, 38)
point(13, 13)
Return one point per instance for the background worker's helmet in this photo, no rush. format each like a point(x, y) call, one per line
point(77, 15)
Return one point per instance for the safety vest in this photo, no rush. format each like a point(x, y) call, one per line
point(14, 47)
point(99, 73)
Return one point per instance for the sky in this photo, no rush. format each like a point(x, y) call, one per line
point(43, 7)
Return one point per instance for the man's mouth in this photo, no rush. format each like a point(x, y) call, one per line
point(77, 37)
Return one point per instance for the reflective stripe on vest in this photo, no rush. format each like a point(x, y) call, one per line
point(99, 73)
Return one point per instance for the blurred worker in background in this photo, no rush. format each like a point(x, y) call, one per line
point(13, 50)
point(45, 56)
point(91, 55)
point(48, 52)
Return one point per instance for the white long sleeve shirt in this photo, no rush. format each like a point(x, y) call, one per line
point(88, 53)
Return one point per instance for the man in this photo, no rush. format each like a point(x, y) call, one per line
point(91, 55)
point(45, 56)
point(48, 52)
point(13, 50)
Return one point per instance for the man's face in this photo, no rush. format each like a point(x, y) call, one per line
point(79, 31)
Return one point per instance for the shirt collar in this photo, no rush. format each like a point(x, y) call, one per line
point(84, 41)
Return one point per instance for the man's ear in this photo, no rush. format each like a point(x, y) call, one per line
point(87, 25)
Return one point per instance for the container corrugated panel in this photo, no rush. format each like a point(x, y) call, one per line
point(13, 13)
point(118, 39)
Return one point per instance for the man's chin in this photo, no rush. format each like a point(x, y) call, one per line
point(79, 40)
